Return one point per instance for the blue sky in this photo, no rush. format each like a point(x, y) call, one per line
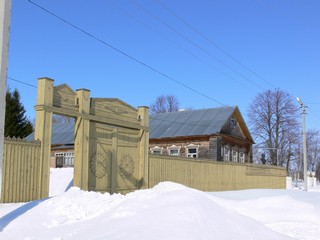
point(227, 50)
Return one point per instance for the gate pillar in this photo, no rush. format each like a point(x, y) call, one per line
point(143, 117)
point(81, 143)
point(43, 132)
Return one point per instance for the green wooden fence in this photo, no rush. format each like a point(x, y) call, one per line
point(210, 175)
point(21, 175)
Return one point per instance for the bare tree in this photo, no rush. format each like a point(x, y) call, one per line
point(273, 121)
point(62, 119)
point(164, 104)
point(313, 149)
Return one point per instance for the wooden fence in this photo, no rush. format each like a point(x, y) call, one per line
point(209, 175)
point(21, 175)
point(22, 179)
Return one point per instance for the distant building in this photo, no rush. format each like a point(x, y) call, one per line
point(62, 144)
point(217, 133)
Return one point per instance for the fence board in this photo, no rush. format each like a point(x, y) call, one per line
point(210, 175)
point(20, 170)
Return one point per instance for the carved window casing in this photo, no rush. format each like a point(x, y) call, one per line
point(192, 151)
point(156, 150)
point(234, 155)
point(242, 157)
point(226, 153)
point(174, 150)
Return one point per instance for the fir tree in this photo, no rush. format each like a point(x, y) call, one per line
point(16, 123)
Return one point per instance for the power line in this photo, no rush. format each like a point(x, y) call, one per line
point(22, 82)
point(195, 44)
point(124, 53)
point(213, 43)
point(179, 46)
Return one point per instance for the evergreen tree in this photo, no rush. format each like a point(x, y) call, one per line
point(16, 123)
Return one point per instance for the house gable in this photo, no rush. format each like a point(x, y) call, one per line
point(236, 126)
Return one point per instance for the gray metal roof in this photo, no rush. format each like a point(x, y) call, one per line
point(189, 123)
point(62, 133)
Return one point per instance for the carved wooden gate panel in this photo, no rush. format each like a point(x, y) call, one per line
point(113, 158)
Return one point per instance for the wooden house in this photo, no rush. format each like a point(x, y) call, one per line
point(62, 144)
point(217, 133)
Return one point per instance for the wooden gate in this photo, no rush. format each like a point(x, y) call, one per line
point(111, 137)
point(113, 158)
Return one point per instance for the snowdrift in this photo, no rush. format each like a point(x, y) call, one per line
point(167, 211)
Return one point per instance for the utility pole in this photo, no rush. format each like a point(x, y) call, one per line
point(5, 8)
point(305, 176)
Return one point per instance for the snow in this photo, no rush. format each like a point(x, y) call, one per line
point(167, 211)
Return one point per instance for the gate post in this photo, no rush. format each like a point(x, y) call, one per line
point(43, 132)
point(81, 143)
point(143, 117)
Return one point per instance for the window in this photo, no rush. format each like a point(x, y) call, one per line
point(156, 150)
point(68, 159)
point(174, 150)
point(241, 157)
point(64, 159)
point(192, 151)
point(59, 160)
point(234, 155)
point(226, 154)
point(232, 123)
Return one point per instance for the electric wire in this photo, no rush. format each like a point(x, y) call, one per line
point(213, 43)
point(119, 51)
point(179, 46)
point(153, 116)
point(124, 53)
point(195, 44)
point(22, 82)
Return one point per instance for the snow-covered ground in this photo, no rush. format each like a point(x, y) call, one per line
point(167, 211)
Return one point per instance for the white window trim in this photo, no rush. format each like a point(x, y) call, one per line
point(173, 147)
point(156, 148)
point(68, 158)
point(192, 146)
point(243, 157)
point(234, 155)
point(226, 155)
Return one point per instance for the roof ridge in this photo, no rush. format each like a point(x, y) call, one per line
point(194, 110)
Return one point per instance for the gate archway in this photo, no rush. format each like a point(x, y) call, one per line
point(111, 138)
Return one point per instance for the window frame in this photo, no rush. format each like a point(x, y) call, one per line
point(243, 157)
point(156, 148)
point(173, 148)
point(234, 155)
point(67, 158)
point(226, 155)
point(232, 123)
point(191, 147)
